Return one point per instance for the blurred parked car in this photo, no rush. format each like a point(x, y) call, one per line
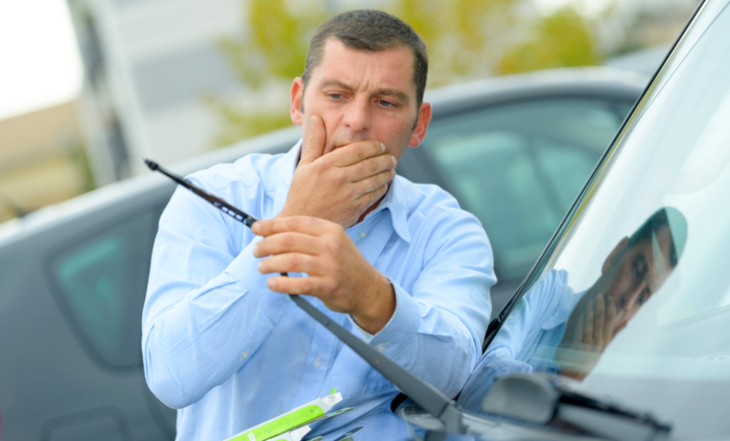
point(622, 329)
point(515, 151)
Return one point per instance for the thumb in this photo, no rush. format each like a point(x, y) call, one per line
point(314, 147)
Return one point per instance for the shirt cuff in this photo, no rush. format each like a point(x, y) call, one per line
point(404, 322)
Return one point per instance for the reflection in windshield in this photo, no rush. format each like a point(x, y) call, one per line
point(668, 355)
point(558, 330)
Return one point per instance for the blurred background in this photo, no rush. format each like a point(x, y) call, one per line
point(90, 87)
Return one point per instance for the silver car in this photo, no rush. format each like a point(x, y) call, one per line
point(515, 151)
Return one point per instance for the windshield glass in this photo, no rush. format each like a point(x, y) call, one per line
point(633, 300)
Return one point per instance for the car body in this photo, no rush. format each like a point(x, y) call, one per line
point(646, 241)
point(73, 276)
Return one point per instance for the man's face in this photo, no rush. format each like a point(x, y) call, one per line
point(361, 96)
point(635, 274)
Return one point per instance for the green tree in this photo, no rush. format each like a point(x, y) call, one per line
point(466, 40)
point(562, 39)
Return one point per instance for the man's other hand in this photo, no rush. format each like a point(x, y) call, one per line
point(338, 273)
point(340, 185)
point(579, 352)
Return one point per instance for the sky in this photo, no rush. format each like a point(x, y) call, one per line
point(39, 61)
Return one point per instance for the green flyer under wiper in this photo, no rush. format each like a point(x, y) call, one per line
point(291, 426)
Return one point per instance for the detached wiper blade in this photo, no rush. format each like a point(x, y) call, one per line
point(537, 400)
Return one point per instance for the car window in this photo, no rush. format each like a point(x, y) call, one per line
point(100, 284)
point(518, 167)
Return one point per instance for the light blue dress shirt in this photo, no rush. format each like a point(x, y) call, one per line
point(230, 354)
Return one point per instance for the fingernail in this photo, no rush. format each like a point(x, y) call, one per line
point(395, 161)
point(311, 122)
point(382, 147)
point(256, 250)
point(256, 228)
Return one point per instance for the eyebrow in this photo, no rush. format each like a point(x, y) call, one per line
point(398, 94)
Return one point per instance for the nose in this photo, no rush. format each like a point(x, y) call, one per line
point(357, 116)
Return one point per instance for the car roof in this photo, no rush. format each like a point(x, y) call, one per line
point(462, 96)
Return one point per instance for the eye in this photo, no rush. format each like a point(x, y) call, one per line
point(386, 103)
point(644, 296)
point(335, 96)
point(639, 267)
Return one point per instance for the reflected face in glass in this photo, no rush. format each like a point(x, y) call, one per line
point(632, 274)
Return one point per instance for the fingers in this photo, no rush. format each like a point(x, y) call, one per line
point(301, 224)
point(356, 152)
point(314, 147)
point(600, 317)
point(372, 167)
point(610, 319)
point(588, 334)
point(598, 331)
point(299, 285)
point(287, 242)
point(288, 263)
point(369, 197)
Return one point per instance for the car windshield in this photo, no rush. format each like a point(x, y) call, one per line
point(631, 300)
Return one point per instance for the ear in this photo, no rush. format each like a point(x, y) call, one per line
point(297, 90)
point(424, 119)
point(621, 246)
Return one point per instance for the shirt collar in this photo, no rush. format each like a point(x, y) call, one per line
point(394, 200)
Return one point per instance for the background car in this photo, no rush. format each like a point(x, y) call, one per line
point(513, 150)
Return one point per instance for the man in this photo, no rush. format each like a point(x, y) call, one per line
point(397, 263)
point(556, 330)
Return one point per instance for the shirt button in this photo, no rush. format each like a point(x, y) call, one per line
point(244, 355)
point(363, 235)
point(316, 363)
point(380, 347)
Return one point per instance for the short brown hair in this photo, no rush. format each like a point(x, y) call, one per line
point(370, 30)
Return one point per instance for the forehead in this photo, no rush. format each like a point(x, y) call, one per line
point(390, 68)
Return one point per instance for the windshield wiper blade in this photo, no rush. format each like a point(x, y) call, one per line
point(538, 400)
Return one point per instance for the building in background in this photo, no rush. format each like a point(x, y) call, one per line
point(148, 65)
point(42, 159)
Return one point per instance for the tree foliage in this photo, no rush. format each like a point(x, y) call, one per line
point(562, 39)
point(466, 39)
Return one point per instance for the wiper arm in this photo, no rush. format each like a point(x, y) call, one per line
point(537, 400)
